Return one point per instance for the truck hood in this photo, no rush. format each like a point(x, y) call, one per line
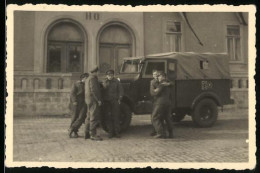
point(128, 77)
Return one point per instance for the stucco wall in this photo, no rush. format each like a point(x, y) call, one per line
point(211, 30)
point(23, 40)
point(154, 30)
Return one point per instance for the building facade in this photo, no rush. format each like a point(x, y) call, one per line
point(51, 49)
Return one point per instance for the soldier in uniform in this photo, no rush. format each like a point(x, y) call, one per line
point(162, 107)
point(77, 105)
point(153, 85)
point(113, 93)
point(93, 100)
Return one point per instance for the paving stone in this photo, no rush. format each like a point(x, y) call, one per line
point(46, 139)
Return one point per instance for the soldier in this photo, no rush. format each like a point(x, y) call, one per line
point(153, 85)
point(77, 105)
point(113, 93)
point(93, 100)
point(162, 107)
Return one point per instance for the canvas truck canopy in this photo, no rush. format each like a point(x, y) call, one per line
point(198, 65)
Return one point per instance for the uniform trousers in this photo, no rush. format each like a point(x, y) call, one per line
point(78, 115)
point(160, 114)
point(152, 114)
point(112, 111)
point(93, 119)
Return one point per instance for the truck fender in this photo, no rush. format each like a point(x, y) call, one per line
point(209, 95)
point(128, 102)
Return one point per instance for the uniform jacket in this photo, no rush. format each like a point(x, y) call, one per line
point(92, 89)
point(77, 93)
point(153, 85)
point(113, 89)
point(163, 94)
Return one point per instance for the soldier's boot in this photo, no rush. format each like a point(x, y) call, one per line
point(87, 135)
point(117, 135)
point(96, 138)
point(76, 135)
point(171, 135)
point(70, 131)
point(110, 135)
point(159, 136)
point(153, 133)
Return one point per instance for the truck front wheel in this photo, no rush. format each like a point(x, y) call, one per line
point(125, 116)
point(205, 113)
point(178, 116)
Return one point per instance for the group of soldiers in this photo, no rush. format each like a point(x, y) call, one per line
point(87, 96)
point(85, 102)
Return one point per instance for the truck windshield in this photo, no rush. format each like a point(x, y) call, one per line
point(131, 66)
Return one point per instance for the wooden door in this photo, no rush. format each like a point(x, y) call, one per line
point(111, 56)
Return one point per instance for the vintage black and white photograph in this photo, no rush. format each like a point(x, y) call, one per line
point(124, 87)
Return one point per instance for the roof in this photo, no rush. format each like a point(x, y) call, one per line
point(193, 65)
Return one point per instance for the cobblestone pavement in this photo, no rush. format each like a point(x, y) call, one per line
point(46, 139)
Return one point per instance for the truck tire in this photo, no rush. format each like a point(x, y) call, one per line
point(205, 113)
point(125, 118)
point(177, 117)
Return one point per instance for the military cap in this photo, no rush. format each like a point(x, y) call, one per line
point(110, 72)
point(84, 75)
point(94, 69)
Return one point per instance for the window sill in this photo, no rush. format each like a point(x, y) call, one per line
point(237, 62)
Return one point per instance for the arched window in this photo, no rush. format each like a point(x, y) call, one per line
point(115, 43)
point(65, 43)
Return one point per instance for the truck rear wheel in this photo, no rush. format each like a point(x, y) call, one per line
point(205, 113)
point(125, 118)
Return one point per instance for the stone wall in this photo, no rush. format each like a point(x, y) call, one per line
point(41, 94)
point(239, 90)
point(41, 103)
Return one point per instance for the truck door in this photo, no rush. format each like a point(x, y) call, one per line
point(144, 82)
point(171, 75)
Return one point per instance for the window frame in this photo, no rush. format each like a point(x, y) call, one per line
point(65, 45)
point(145, 67)
point(232, 60)
point(166, 32)
point(42, 64)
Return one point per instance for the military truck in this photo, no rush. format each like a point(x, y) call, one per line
point(201, 85)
